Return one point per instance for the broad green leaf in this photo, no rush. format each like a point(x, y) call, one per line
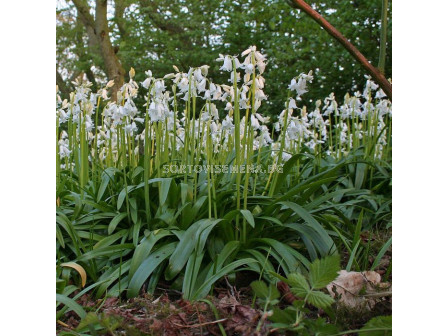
point(186, 246)
point(227, 250)
point(105, 178)
point(109, 240)
point(164, 190)
point(285, 316)
point(137, 171)
point(147, 267)
point(264, 265)
point(249, 217)
point(136, 232)
point(273, 292)
point(360, 173)
point(191, 273)
point(184, 192)
point(308, 218)
point(133, 209)
point(224, 271)
point(271, 219)
point(59, 237)
point(111, 276)
point(122, 195)
point(358, 229)
point(283, 250)
point(106, 251)
point(90, 218)
point(143, 250)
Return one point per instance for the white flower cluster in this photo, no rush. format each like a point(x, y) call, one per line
point(176, 118)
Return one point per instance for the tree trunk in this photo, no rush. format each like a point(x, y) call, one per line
point(114, 69)
point(98, 33)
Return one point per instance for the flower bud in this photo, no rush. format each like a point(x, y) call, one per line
point(131, 73)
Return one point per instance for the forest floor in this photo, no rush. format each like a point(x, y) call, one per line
point(228, 312)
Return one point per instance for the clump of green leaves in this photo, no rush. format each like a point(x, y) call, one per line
point(307, 289)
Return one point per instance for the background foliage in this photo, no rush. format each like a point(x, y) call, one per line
point(158, 34)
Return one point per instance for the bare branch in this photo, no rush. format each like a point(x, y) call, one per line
point(377, 76)
point(84, 13)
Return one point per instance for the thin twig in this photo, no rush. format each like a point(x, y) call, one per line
point(199, 324)
point(379, 294)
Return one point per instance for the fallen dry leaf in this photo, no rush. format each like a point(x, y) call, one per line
point(349, 287)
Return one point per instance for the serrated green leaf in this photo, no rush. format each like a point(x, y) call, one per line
point(378, 326)
point(260, 289)
point(89, 319)
point(299, 285)
point(319, 299)
point(286, 316)
point(323, 271)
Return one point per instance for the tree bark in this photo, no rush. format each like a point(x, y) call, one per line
point(98, 33)
point(65, 90)
point(376, 74)
point(113, 66)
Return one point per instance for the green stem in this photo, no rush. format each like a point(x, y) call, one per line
point(383, 41)
point(236, 106)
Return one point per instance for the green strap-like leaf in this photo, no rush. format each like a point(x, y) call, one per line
point(186, 246)
point(224, 271)
point(381, 254)
point(249, 217)
point(143, 250)
point(71, 304)
point(115, 221)
point(147, 267)
point(308, 218)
